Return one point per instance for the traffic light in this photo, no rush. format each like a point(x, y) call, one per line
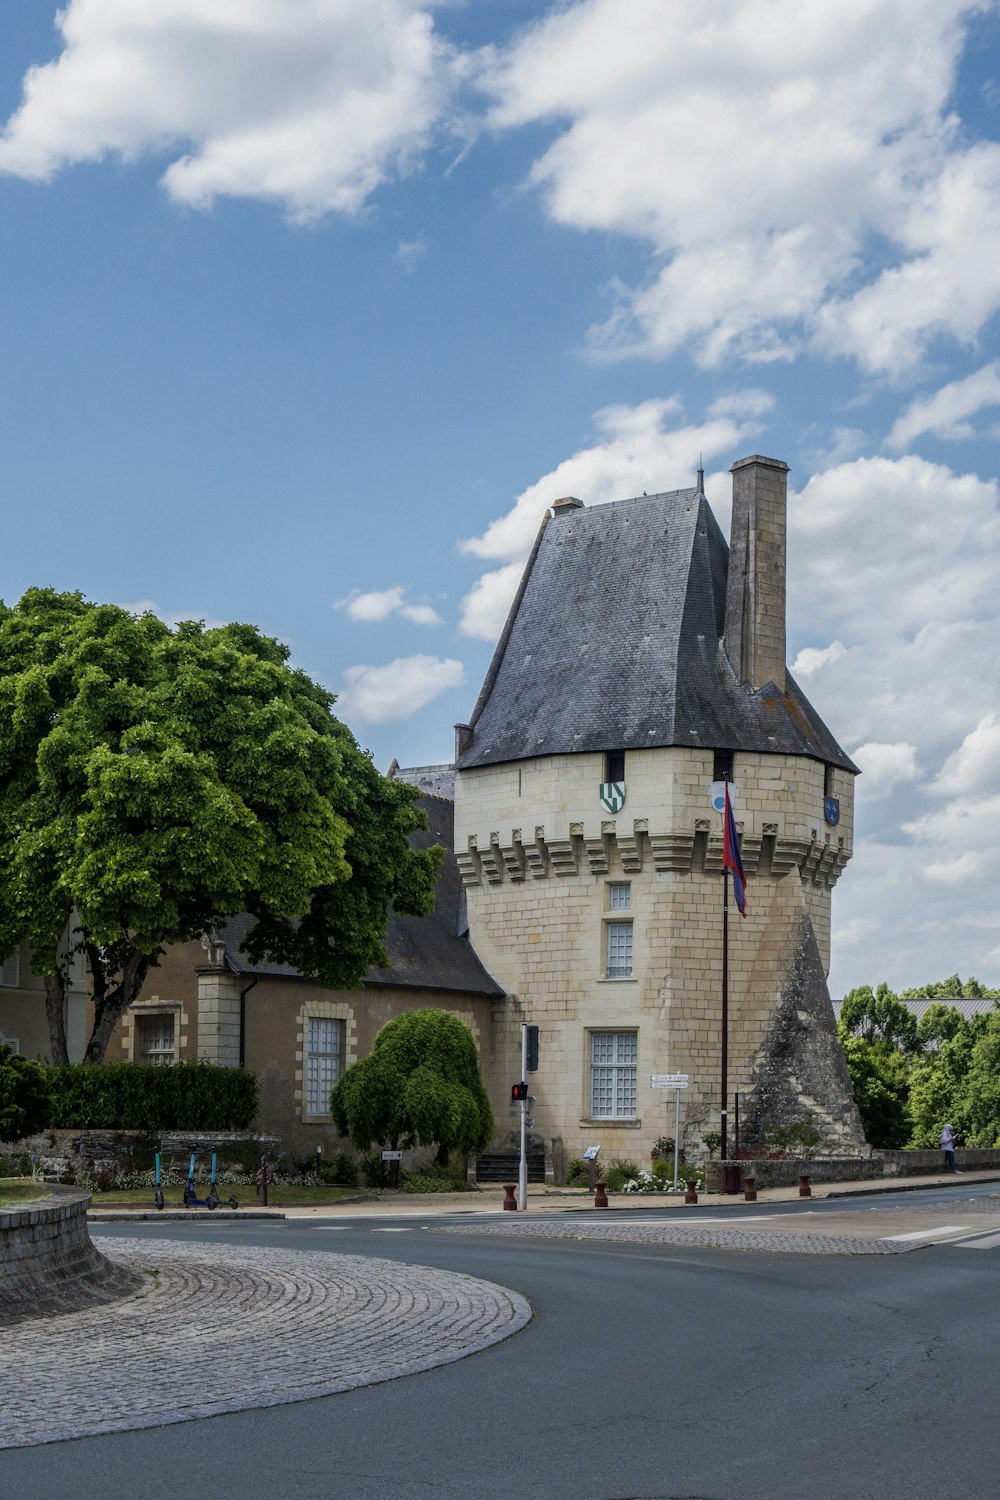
point(518, 1092)
point(532, 1040)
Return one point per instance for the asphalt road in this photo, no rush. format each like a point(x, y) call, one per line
point(647, 1371)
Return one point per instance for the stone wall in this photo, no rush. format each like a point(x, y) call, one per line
point(911, 1163)
point(538, 854)
point(770, 1173)
point(48, 1262)
point(63, 1155)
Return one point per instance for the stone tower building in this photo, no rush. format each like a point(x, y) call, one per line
point(642, 659)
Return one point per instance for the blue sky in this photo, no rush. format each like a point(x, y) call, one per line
point(310, 307)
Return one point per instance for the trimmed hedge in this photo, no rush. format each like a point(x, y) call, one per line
point(24, 1096)
point(147, 1096)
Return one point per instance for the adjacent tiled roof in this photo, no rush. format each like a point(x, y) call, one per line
point(424, 952)
point(436, 781)
point(967, 1008)
point(613, 643)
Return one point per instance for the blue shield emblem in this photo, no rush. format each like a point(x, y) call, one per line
point(831, 810)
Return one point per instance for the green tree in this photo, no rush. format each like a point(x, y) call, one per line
point(880, 1079)
point(979, 1112)
point(419, 1086)
point(154, 781)
point(24, 1096)
point(952, 988)
point(879, 1016)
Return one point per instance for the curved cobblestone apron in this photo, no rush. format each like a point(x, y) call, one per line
point(707, 1238)
point(219, 1328)
point(48, 1262)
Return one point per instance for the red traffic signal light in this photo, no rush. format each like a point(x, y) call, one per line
point(518, 1092)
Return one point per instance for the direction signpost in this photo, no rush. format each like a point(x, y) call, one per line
point(675, 1081)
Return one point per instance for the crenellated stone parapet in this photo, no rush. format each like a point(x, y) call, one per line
point(501, 855)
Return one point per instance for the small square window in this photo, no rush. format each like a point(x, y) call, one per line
point(620, 896)
point(722, 766)
point(154, 1038)
point(619, 950)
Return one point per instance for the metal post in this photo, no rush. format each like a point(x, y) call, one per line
point(522, 1176)
point(736, 1126)
point(677, 1133)
point(725, 1014)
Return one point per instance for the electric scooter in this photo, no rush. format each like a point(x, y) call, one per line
point(191, 1199)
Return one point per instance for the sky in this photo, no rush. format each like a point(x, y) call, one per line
point(309, 309)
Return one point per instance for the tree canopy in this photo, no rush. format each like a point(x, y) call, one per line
point(154, 781)
point(910, 1079)
point(25, 1105)
point(419, 1086)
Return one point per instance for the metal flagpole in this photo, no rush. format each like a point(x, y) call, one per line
point(522, 1174)
point(725, 1013)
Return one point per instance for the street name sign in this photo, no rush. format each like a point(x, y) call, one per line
point(668, 1080)
point(392, 1156)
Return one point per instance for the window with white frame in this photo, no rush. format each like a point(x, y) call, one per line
point(619, 896)
point(613, 1058)
point(324, 1050)
point(618, 950)
point(154, 1038)
point(10, 970)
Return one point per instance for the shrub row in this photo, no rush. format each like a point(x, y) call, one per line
point(141, 1096)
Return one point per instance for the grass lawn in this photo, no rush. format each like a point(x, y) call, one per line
point(278, 1196)
point(15, 1194)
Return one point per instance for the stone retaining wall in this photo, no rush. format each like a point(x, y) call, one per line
point(771, 1173)
point(913, 1163)
point(63, 1154)
point(48, 1262)
point(785, 1173)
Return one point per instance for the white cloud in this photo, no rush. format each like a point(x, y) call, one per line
point(811, 658)
point(307, 103)
point(885, 766)
point(486, 605)
point(639, 450)
point(375, 695)
point(409, 252)
point(891, 569)
point(379, 604)
point(974, 768)
point(881, 547)
point(763, 149)
point(946, 413)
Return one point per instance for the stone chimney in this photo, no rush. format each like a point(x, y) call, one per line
point(755, 596)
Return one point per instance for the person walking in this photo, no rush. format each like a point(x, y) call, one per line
point(948, 1147)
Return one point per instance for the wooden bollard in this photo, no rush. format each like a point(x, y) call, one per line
point(750, 1189)
point(691, 1196)
point(601, 1195)
point(805, 1191)
point(509, 1201)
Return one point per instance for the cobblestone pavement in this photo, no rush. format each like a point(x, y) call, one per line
point(700, 1236)
point(219, 1328)
point(989, 1204)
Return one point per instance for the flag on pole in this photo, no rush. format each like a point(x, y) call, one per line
point(731, 857)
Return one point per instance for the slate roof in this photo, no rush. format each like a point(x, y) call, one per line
point(424, 952)
point(613, 643)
